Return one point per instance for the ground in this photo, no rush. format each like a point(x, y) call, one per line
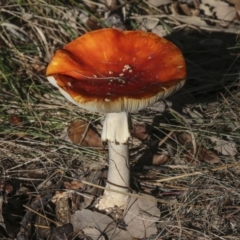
point(184, 151)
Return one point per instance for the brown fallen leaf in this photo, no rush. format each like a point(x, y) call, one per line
point(208, 156)
point(15, 120)
point(111, 4)
point(74, 185)
point(140, 131)
point(160, 159)
point(92, 23)
point(184, 138)
point(185, 8)
point(203, 154)
point(84, 134)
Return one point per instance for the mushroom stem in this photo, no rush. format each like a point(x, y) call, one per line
point(116, 132)
point(115, 127)
point(118, 177)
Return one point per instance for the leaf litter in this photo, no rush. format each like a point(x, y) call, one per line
point(141, 216)
point(92, 221)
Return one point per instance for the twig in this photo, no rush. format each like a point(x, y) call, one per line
point(41, 215)
point(165, 138)
point(199, 173)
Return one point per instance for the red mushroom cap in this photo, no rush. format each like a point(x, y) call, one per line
point(113, 71)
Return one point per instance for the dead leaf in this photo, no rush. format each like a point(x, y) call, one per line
point(111, 4)
point(237, 7)
point(93, 233)
point(84, 134)
point(15, 120)
point(103, 223)
point(120, 234)
point(140, 131)
point(64, 232)
point(61, 200)
point(225, 12)
point(96, 234)
point(203, 154)
point(141, 216)
point(74, 185)
point(92, 23)
point(226, 148)
point(184, 138)
point(160, 159)
point(88, 218)
point(208, 156)
point(185, 8)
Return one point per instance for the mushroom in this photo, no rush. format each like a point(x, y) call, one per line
point(116, 72)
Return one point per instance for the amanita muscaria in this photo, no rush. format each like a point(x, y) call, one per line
point(116, 72)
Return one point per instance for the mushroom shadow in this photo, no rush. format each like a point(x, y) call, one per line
point(212, 65)
point(212, 69)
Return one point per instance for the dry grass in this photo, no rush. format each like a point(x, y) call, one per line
point(198, 195)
